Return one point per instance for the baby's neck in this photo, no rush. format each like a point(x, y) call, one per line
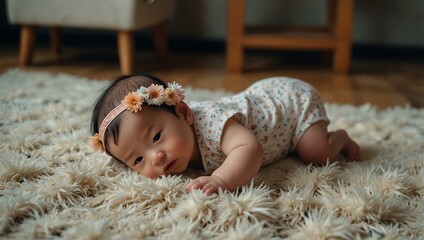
point(196, 158)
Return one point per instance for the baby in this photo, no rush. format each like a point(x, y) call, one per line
point(145, 123)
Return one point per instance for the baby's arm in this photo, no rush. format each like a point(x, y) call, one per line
point(244, 158)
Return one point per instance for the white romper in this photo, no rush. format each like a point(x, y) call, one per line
point(276, 110)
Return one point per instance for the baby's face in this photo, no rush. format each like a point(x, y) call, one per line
point(154, 142)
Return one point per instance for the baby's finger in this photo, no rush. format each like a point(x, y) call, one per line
point(209, 189)
point(194, 184)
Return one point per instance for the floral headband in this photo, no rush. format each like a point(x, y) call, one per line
point(133, 102)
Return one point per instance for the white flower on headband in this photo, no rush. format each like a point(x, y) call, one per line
point(143, 92)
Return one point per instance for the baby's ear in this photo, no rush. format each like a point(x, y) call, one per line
point(184, 112)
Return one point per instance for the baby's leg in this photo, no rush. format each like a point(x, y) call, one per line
point(317, 145)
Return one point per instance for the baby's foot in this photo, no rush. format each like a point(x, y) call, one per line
point(351, 149)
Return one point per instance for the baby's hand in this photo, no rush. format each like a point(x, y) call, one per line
point(208, 184)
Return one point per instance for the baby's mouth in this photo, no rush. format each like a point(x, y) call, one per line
point(169, 166)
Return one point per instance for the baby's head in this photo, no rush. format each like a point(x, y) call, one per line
point(145, 124)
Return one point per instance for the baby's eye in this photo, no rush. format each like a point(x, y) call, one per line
point(138, 160)
point(157, 137)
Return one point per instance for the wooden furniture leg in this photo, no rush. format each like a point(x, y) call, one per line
point(331, 15)
point(55, 41)
point(126, 51)
point(160, 39)
point(343, 32)
point(235, 34)
point(336, 36)
point(26, 49)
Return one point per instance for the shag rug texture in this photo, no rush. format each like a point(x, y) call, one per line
point(53, 185)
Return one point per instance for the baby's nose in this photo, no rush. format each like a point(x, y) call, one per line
point(159, 158)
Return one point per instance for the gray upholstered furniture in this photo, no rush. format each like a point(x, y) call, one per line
point(122, 16)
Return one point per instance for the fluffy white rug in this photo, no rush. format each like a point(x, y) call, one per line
point(52, 185)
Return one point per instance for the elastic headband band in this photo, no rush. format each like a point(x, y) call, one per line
point(108, 119)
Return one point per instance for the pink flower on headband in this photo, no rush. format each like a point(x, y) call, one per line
point(175, 94)
point(156, 94)
point(96, 143)
point(133, 102)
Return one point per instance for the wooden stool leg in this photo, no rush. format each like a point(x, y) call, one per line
point(235, 49)
point(343, 33)
point(331, 15)
point(160, 39)
point(55, 41)
point(126, 51)
point(28, 37)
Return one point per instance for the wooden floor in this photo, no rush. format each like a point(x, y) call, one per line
point(384, 83)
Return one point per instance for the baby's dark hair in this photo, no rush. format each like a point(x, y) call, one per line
point(112, 96)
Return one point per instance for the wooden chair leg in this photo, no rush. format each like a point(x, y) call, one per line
point(27, 42)
point(331, 15)
point(160, 39)
point(343, 33)
point(235, 28)
point(126, 51)
point(55, 41)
